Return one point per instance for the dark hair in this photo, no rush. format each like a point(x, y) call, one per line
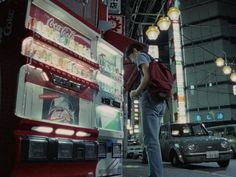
point(137, 46)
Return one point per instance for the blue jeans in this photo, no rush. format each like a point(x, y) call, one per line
point(152, 111)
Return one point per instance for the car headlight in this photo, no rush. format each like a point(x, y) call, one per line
point(191, 147)
point(224, 144)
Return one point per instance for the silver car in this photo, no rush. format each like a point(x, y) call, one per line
point(228, 132)
point(191, 143)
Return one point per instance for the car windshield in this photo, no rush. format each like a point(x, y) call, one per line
point(180, 130)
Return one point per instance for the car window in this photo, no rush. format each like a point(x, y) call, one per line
point(199, 130)
point(218, 131)
point(230, 131)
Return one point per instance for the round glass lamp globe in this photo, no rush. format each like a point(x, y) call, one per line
point(163, 23)
point(152, 32)
point(220, 62)
point(173, 13)
point(233, 77)
point(227, 70)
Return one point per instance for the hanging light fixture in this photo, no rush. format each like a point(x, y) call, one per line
point(233, 77)
point(152, 32)
point(220, 62)
point(173, 13)
point(163, 23)
point(227, 70)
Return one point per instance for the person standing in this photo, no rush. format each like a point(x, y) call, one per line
point(152, 109)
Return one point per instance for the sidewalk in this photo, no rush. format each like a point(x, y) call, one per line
point(134, 168)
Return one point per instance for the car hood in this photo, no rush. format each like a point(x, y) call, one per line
point(200, 139)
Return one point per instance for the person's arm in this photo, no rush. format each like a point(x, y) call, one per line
point(144, 82)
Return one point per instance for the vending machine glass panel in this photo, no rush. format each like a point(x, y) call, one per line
point(109, 118)
point(38, 102)
point(110, 81)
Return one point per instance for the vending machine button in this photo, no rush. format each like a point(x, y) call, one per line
point(79, 150)
point(35, 148)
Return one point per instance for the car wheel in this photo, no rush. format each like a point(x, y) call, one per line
point(233, 153)
point(174, 159)
point(144, 157)
point(224, 163)
point(130, 155)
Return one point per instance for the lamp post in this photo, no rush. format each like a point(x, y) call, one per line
point(179, 102)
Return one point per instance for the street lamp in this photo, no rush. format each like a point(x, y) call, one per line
point(220, 62)
point(164, 23)
point(173, 13)
point(152, 32)
point(227, 70)
point(233, 77)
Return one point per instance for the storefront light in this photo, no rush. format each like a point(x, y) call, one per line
point(152, 32)
point(82, 134)
point(163, 23)
point(227, 70)
point(42, 129)
point(220, 62)
point(131, 131)
point(173, 13)
point(136, 126)
point(61, 131)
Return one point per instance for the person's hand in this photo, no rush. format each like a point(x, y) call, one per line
point(133, 94)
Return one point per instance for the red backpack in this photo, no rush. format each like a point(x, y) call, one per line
point(161, 80)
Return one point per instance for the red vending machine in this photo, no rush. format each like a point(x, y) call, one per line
point(47, 91)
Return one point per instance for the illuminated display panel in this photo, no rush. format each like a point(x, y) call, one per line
point(110, 78)
point(53, 57)
point(54, 30)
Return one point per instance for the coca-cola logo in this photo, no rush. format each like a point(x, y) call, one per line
point(64, 30)
point(9, 23)
point(7, 29)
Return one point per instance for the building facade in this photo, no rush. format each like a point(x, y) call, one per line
point(208, 31)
